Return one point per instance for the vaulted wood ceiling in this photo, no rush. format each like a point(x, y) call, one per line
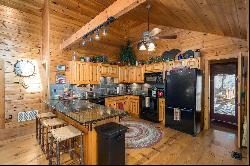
point(222, 17)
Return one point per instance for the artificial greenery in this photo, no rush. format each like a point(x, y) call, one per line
point(127, 54)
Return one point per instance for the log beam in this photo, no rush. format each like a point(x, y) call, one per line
point(117, 9)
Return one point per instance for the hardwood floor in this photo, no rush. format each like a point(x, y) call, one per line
point(209, 147)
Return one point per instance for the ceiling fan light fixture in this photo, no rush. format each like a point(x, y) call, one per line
point(141, 46)
point(151, 46)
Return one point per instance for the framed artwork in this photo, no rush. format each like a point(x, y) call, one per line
point(24, 68)
point(61, 67)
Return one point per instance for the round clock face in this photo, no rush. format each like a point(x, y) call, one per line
point(24, 68)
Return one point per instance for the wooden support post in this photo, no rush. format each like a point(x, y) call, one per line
point(115, 10)
point(45, 51)
point(207, 96)
point(2, 98)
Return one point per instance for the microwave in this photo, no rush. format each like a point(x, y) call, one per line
point(153, 78)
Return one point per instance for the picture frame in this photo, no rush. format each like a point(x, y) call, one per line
point(61, 67)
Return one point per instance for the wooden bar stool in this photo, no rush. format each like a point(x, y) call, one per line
point(46, 126)
point(62, 135)
point(40, 116)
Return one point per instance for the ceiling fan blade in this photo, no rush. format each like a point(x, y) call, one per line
point(166, 37)
point(154, 31)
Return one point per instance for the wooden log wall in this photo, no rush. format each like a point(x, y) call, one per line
point(20, 38)
point(2, 98)
point(210, 45)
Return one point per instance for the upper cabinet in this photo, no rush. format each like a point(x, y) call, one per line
point(123, 74)
point(109, 70)
point(155, 67)
point(84, 73)
point(90, 73)
point(132, 74)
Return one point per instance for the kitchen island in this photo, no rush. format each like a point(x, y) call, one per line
point(85, 116)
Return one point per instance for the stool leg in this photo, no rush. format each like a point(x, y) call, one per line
point(46, 142)
point(70, 148)
point(57, 153)
point(51, 150)
point(39, 132)
point(36, 128)
point(81, 149)
point(42, 138)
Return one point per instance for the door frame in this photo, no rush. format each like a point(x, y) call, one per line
point(207, 62)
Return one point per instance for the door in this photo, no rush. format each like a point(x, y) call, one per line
point(224, 93)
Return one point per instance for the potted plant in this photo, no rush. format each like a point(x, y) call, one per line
point(127, 55)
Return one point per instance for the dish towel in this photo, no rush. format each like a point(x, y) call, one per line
point(147, 101)
point(177, 114)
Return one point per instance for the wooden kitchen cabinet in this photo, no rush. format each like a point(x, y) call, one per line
point(162, 110)
point(134, 105)
point(123, 75)
point(109, 70)
point(131, 104)
point(114, 71)
point(132, 74)
point(168, 65)
point(139, 74)
point(84, 72)
point(96, 73)
point(155, 67)
point(105, 70)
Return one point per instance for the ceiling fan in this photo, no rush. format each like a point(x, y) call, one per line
point(148, 37)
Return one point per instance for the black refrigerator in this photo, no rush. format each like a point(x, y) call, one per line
point(184, 93)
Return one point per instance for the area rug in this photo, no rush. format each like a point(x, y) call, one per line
point(141, 134)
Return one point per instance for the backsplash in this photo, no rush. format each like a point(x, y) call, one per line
point(106, 86)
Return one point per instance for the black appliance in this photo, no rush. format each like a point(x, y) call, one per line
point(111, 144)
point(100, 100)
point(153, 78)
point(184, 92)
point(149, 103)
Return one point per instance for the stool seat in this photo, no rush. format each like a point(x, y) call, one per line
point(52, 122)
point(64, 133)
point(46, 115)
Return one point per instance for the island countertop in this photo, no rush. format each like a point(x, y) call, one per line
point(84, 112)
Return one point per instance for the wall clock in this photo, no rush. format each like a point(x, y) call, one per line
point(24, 68)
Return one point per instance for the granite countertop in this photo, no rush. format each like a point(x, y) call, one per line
point(112, 95)
point(84, 111)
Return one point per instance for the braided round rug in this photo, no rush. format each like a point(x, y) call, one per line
point(141, 134)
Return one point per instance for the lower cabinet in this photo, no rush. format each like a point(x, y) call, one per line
point(129, 104)
point(162, 110)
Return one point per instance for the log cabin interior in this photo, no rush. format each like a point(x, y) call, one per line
point(100, 82)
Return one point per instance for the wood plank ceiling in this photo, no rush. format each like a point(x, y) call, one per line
point(81, 12)
point(222, 17)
